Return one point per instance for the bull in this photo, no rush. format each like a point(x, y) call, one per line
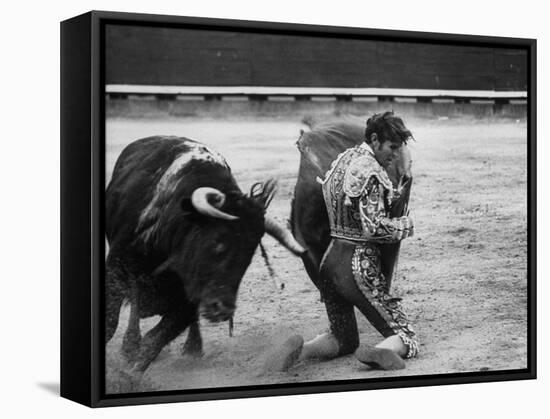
point(309, 222)
point(181, 235)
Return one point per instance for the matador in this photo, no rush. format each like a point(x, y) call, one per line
point(358, 195)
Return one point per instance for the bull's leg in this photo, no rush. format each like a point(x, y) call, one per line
point(170, 327)
point(114, 294)
point(132, 337)
point(193, 343)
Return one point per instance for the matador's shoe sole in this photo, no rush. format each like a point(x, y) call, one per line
point(380, 358)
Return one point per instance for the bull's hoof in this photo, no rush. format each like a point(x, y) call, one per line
point(380, 358)
point(192, 350)
point(129, 353)
point(281, 359)
point(192, 346)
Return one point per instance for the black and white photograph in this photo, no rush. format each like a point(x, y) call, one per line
point(289, 207)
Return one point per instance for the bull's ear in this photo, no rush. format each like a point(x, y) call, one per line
point(264, 192)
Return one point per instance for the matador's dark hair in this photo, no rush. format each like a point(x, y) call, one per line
point(387, 127)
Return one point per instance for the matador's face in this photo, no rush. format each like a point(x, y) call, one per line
point(385, 152)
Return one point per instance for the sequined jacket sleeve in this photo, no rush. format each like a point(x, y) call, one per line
point(378, 227)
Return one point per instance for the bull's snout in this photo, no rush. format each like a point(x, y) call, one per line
point(217, 309)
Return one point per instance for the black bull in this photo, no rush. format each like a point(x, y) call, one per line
point(309, 220)
point(181, 236)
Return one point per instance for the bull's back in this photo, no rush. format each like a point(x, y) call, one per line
point(135, 176)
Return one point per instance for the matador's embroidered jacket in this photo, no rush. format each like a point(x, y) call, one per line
point(358, 194)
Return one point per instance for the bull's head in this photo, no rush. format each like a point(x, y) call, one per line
point(222, 234)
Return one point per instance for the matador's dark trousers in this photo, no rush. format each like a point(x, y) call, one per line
point(351, 277)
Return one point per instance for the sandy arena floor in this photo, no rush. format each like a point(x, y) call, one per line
point(462, 277)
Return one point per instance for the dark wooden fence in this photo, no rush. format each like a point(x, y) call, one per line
point(176, 57)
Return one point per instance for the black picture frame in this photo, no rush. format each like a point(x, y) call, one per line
point(82, 213)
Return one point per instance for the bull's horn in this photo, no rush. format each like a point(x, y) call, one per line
point(199, 199)
point(284, 237)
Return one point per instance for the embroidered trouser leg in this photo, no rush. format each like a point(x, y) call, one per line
point(341, 316)
point(351, 277)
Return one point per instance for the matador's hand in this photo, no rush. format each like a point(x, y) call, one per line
point(397, 228)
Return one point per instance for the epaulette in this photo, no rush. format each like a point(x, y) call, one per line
point(360, 171)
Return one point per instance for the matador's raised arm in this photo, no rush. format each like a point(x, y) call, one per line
point(378, 227)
